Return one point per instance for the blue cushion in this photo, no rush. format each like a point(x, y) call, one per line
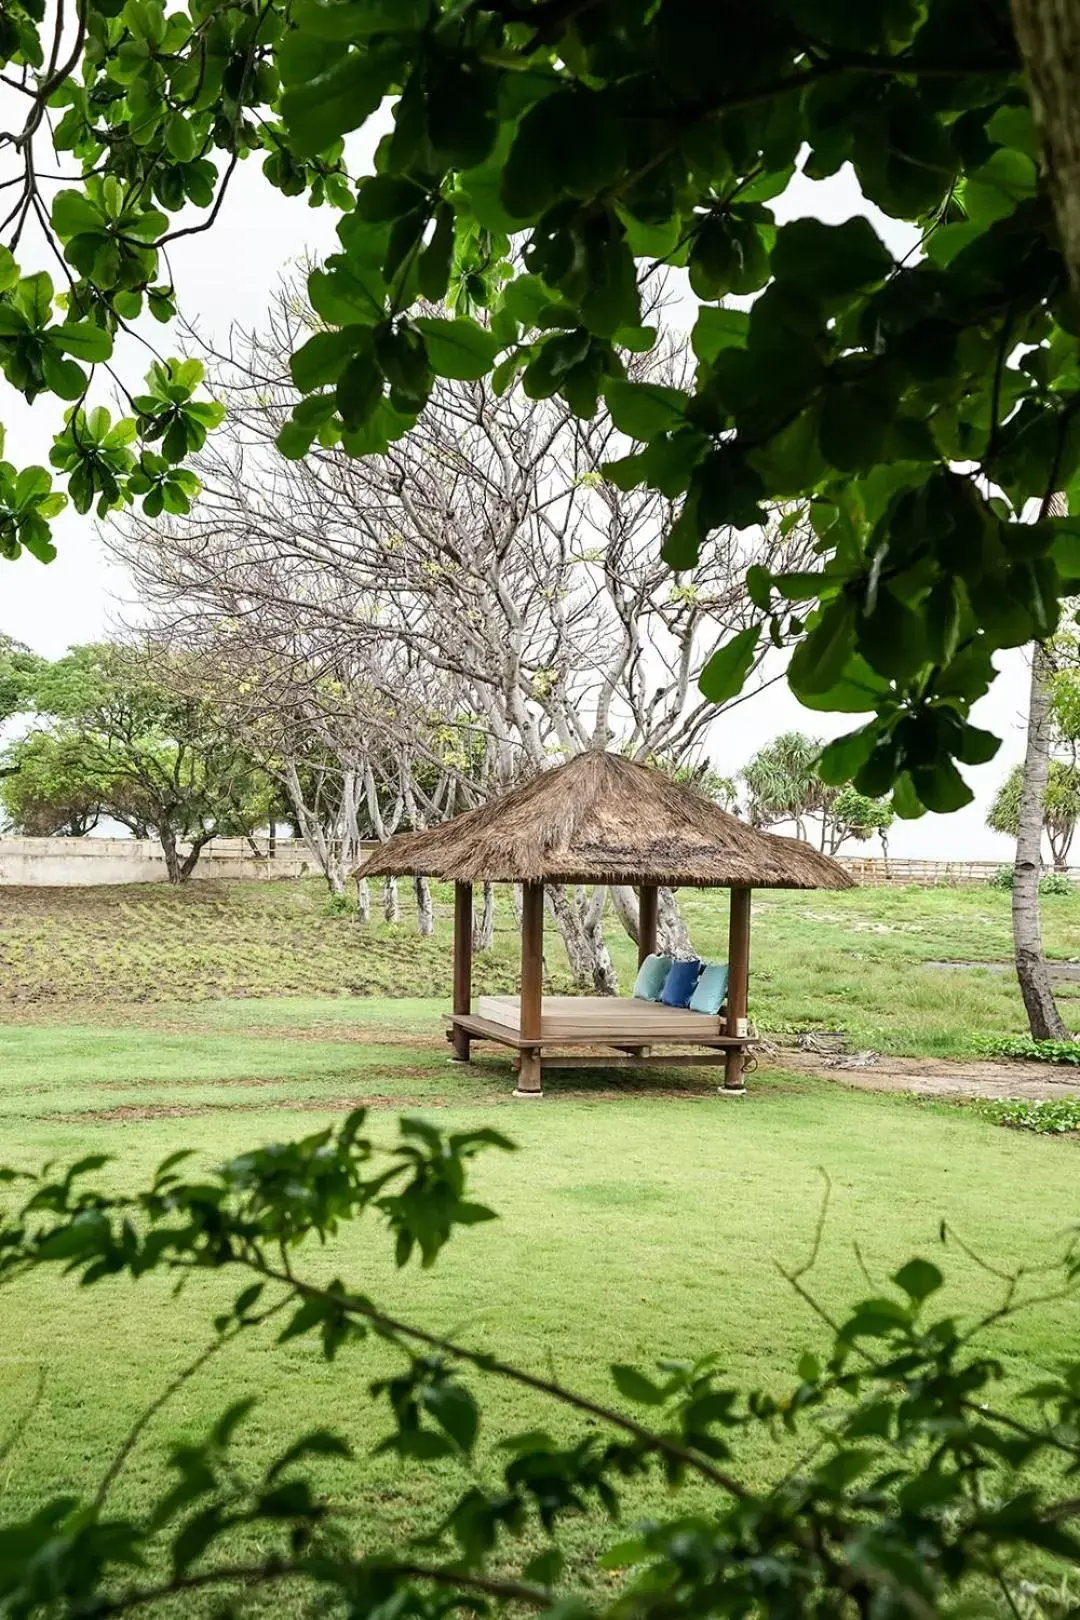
point(650, 979)
point(680, 983)
point(711, 988)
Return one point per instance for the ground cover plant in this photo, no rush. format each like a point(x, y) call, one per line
point(915, 1457)
point(863, 961)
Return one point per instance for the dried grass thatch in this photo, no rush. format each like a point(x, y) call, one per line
point(601, 818)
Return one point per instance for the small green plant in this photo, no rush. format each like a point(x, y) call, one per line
point(1059, 1116)
point(339, 905)
point(1049, 883)
point(1022, 1046)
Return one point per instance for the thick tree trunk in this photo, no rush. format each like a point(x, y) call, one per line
point(167, 839)
point(484, 921)
point(363, 900)
point(1048, 34)
point(672, 934)
point(391, 906)
point(1031, 969)
point(425, 914)
point(581, 928)
point(624, 900)
point(191, 859)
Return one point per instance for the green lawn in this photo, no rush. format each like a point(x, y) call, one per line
point(631, 1227)
point(642, 1218)
point(197, 959)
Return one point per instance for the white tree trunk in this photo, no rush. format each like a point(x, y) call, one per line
point(484, 920)
point(581, 929)
point(391, 905)
point(1043, 1017)
point(672, 934)
point(363, 900)
point(425, 915)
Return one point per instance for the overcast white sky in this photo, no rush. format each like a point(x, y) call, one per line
point(226, 275)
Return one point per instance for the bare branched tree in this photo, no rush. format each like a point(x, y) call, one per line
point(485, 554)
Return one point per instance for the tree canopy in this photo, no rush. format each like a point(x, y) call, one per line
point(118, 735)
point(545, 158)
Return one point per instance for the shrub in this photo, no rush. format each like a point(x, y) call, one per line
point(1056, 1117)
point(1022, 1046)
point(339, 905)
point(1049, 883)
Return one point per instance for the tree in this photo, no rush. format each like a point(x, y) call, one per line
point(483, 565)
point(534, 177)
point(120, 739)
point(849, 1491)
point(1061, 808)
point(784, 785)
point(47, 789)
point(18, 670)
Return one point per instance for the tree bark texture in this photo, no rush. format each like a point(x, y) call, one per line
point(484, 920)
point(425, 915)
point(363, 900)
point(1048, 34)
point(1043, 1017)
point(672, 934)
point(391, 907)
point(581, 928)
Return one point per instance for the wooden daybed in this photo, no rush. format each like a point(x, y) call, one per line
point(602, 819)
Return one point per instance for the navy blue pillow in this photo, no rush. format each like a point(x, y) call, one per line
point(681, 983)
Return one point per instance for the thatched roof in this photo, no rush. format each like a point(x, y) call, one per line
point(603, 819)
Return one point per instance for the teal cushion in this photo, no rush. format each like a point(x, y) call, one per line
point(680, 983)
point(649, 984)
point(711, 989)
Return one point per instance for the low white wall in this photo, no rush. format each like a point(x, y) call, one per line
point(66, 862)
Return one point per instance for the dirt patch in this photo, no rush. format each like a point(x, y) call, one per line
point(937, 1077)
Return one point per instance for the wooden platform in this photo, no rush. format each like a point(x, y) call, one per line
point(621, 1034)
point(602, 1020)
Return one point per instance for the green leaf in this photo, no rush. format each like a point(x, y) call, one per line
point(73, 214)
point(918, 1279)
point(455, 1411)
point(636, 1387)
point(644, 410)
point(180, 138)
point(321, 359)
point(718, 328)
point(9, 270)
point(85, 340)
point(841, 758)
point(458, 348)
point(820, 658)
point(830, 261)
point(727, 669)
point(338, 99)
point(358, 19)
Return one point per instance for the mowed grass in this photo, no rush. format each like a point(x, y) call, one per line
point(197, 959)
point(630, 1227)
point(640, 1218)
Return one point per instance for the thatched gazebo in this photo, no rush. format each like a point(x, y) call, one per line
point(601, 818)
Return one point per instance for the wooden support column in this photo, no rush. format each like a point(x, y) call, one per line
point(738, 985)
point(646, 921)
point(462, 967)
point(532, 968)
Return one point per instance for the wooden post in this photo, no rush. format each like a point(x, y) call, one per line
point(532, 968)
point(738, 985)
point(646, 921)
point(462, 967)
